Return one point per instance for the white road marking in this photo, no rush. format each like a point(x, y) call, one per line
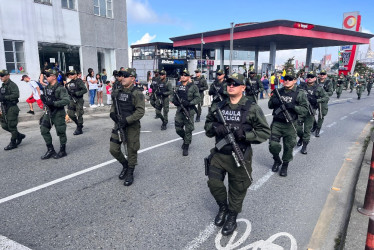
point(31, 190)
point(261, 181)
point(145, 131)
point(332, 124)
point(203, 236)
point(354, 112)
point(6, 243)
point(341, 100)
point(343, 118)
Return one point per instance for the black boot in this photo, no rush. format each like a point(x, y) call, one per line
point(185, 149)
point(276, 165)
point(50, 152)
point(124, 170)
point(314, 127)
point(12, 145)
point(300, 142)
point(198, 118)
point(358, 98)
point(303, 149)
point(283, 171)
point(19, 139)
point(317, 132)
point(79, 130)
point(62, 152)
point(230, 224)
point(222, 212)
point(163, 126)
point(129, 177)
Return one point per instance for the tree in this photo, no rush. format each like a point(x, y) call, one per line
point(289, 64)
point(361, 68)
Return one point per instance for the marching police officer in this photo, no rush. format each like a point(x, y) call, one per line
point(154, 100)
point(361, 85)
point(370, 83)
point(185, 97)
point(339, 85)
point(76, 89)
point(249, 126)
point(9, 94)
point(127, 110)
point(253, 86)
point(54, 98)
point(202, 85)
point(294, 102)
point(162, 92)
point(351, 81)
point(323, 107)
point(316, 94)
point(218, 87)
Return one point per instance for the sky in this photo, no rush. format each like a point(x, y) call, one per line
point(158, 20)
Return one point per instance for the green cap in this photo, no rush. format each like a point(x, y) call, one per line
point(162, 72)
point(323, 72)
point(4, 72)
point(49, 72)
point(197, 70)
point(311, 73)
point(220, 72)
point(238, 78)
point(290, 73)
point(131, 71)
point(156, 71)
point(71, 72)
point(186, 72)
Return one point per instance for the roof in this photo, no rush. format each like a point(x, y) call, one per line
point(158, 44)
point(287, 35)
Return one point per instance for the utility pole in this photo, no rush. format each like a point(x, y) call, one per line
point(231, 46)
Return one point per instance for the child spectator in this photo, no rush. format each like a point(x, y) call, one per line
point(108, 92)
point(35, 95)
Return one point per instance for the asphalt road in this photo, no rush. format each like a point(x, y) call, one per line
point(85, 206)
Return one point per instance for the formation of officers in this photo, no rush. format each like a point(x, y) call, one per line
point(234, 120)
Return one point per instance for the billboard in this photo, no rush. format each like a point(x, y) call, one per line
point(347, 54)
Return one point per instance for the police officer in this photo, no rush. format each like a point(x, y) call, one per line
point(253, 86)
point(361, 85)
point(131, 108)
point(316, 94)
point(323, 108)
point(334, 79)
point(162, 92)
point(370, 83)
point(351, 81)
point(249, 126)
point(296, 104)
point(187, 96)
point(218, 87)
point(76, 89)
point(54, 98)
point(154, 99)
point(9, 94)
point(339, 85)
point(202, 85)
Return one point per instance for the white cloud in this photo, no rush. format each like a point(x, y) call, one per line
point(366, 31)
point(141, 12)
point(283, 55)
point(146, 38)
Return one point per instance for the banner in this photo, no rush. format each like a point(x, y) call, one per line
point(347, 54)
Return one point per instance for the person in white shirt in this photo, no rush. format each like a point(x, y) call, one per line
point(35, 95)
point(92, 87)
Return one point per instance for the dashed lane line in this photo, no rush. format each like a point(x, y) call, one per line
point(354, 112)
point(343, 118)
point(332, 124)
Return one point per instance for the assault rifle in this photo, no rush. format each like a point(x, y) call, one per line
point(230, 139)
point(219, 96)
point(120, 131)
point(47, 110)
point(184, 110)
point(320, 110)
point(283, 109)
point(71, 93)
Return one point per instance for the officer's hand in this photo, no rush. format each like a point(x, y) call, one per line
point(313, 102)
point(290, 105)
point(239, 134)
point(219, 129)
point(113, 116)
point(186, 103)
point(275, 101)
point(49, 102)
point(165, 94)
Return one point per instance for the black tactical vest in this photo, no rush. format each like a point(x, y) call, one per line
point(183, 91)
point(252, 87)
point(326, 85)
point(311, 94)
point(287, 97)
point(125, 103)
point(196, 81)
point(162, 86)
point(218, 87)
point(235, 118)
point(340, 81)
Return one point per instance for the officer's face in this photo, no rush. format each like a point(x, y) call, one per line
point(198, 74)
point(128, 81)
point(289, 82)
point(311, 79)
point(185, 78)
point(235, 89)
point(4, 78)
point(162, 76)
point(73, 77)
point(51, 78)
point(221, 76)
point(323, 76)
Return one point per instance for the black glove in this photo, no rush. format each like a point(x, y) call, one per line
point(186, 103)
point(239, 134)
point(219, 129)
point(113, 116)
point(165, 94)
point(176, 102)
point(2, 98)
point(44, 100)
point(275, 101)
point(49, 102)
point(290, 105)
point(313, 102)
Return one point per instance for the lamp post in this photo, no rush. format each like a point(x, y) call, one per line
point(231, 46)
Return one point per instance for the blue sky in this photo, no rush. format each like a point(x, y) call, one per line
point(158, 20)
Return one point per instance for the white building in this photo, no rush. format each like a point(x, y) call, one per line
point(77, 34)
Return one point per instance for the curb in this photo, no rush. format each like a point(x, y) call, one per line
point(331, 227)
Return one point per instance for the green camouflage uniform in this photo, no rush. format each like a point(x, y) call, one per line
point(256, 130)
point(361, 85)
point(76, 89)
point(370, 83)
point(253, 87)
point(327, 86)
point(202, 85)
point(339, 85)
point(132, 108)
point(10, 92)
point(221, 88)
point(163, 91)
point(296, 103)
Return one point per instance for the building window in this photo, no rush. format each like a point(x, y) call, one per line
point(103, 8)
point(14, 56)
point(44, 1)
point(68, 4)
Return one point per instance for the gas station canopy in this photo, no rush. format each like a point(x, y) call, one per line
point(285, 34)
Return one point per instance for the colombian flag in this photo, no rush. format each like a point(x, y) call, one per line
point(282, 76)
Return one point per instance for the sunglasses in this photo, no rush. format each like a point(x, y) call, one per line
point(288, 78)
point(162, 74)
point(235, 84)
point(310, 76)
point(219, 74)
point(184, 75)
point(2, 75)
point(323, 74)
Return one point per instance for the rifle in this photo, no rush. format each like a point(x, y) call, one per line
point(120, 131)
point(3, 112)
point(252, 89)
point(47, 110)
point(230, 139)
point(217, 91)
point(184, 110)
point(320, 110)
point(71, 94)
point(283, 109)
